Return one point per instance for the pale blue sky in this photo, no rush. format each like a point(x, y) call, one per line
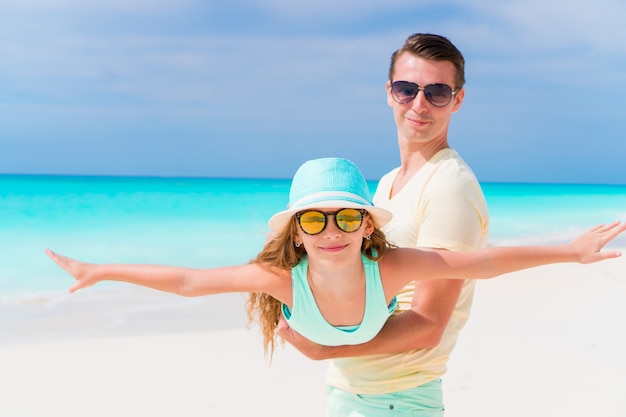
point(254, 88)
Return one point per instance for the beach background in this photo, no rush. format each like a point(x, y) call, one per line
point(548, 341)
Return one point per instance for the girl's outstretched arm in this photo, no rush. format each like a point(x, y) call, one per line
point(585, 249)
point(177, 280)
point(495, 261)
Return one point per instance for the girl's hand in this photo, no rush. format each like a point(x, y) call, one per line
point(81, 271)
point(588, 246)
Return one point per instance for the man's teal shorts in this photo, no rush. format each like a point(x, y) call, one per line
point(423, 401)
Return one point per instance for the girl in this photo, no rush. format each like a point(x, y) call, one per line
point(329, 269)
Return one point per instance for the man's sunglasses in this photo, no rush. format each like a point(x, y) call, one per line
point(438, 95)
point(313, 222)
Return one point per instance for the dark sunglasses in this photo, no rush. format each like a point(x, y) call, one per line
point(438, 95)
point(313, 222)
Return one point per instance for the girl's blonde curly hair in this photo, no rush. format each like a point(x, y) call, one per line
point(280, 252)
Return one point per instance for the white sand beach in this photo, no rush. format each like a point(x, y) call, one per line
point(543, 342)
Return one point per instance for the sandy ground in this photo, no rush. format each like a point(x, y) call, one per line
point(544, 342)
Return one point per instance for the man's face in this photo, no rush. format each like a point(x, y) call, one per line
point(419, 121)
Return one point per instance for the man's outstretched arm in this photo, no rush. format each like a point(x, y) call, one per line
point(420, 327)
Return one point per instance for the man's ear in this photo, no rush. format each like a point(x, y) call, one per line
point(390, 101)
point(458, 100)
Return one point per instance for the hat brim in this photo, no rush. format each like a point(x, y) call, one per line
point(281, 219)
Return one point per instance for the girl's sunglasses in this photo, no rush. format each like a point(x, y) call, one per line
point(439, 95)
point(313, 222)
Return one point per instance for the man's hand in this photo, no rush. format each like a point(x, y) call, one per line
point(309, 349)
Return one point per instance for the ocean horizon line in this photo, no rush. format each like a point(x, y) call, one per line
point(199, 177)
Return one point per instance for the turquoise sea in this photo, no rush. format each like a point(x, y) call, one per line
point(205, 222)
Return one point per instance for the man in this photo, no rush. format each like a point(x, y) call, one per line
point(437, 203)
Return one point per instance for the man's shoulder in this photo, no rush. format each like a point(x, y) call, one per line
point(386, 180)
point(450, 158)
point(449, 168)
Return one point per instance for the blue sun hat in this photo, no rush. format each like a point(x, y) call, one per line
point(328, 183)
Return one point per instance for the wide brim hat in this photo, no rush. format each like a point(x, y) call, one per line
point(328, 183)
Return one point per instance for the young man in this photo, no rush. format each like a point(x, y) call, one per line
point(437, 203)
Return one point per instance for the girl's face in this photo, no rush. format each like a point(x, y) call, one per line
point(332, 239)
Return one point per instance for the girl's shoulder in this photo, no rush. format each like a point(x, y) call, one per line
point(398, 262)
point(276, 281)
point(394, 254)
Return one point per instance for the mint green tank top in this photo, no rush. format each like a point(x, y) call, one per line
point(306, 318)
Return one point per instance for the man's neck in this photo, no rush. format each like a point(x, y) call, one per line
point(413, 156)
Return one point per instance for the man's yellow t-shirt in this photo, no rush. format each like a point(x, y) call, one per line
point(442, 206)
